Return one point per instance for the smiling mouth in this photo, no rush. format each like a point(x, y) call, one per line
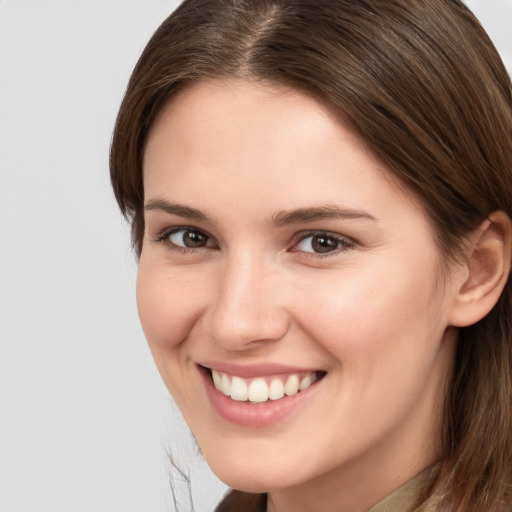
point(263, 389)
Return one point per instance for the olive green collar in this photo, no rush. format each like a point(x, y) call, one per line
point(404, 499)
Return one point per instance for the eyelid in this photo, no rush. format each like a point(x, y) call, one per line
point(346, 243)
point(163, 235)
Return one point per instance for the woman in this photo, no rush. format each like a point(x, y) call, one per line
point(320, 195)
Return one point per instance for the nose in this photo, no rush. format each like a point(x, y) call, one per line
point(245, 310)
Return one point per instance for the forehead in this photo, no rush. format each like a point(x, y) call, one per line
point(239, 140)
point(269, 113)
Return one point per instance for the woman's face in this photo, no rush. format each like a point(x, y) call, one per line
point(279, 255)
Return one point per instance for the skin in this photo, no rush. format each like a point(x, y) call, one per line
point(374, 315)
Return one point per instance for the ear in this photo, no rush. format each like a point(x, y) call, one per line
point(484, 271)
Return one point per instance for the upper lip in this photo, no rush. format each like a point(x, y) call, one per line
point(254, 370)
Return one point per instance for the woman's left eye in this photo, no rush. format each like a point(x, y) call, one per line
point(323, 243)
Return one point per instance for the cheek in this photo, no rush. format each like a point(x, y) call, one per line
point(383, 337)
point(368, 317)
point(167, 304)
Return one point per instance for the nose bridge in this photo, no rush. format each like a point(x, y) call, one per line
point(246, 308)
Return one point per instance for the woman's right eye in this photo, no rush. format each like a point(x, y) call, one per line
point(186, 238)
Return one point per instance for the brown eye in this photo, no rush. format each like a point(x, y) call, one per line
point(322, 243)
point(188, 238)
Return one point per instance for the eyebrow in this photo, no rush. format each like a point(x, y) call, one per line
point(177, 209)
point(328, 212)
point(279, 219)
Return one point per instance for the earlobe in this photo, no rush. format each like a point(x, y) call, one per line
point(486, 270)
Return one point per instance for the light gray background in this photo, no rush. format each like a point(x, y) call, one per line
point(85, 422)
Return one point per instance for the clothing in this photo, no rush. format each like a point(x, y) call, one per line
point(237, 501)
point(405, 498)
point(402, 500)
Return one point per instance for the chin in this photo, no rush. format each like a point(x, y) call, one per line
point(251, 481)
point(244, 473)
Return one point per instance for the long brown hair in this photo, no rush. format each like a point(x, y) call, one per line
point(423, 85)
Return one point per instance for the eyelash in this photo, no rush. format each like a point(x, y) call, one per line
point(163, 238)
point(344, 243)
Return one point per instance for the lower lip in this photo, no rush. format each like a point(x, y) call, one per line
point(256, 415)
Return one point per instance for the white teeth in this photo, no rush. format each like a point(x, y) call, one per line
point(276, 390)
point(225, 385)
point(292, 385)
point(217, 379)
point(238, 389)
point(258, 390)
point(305, 382)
